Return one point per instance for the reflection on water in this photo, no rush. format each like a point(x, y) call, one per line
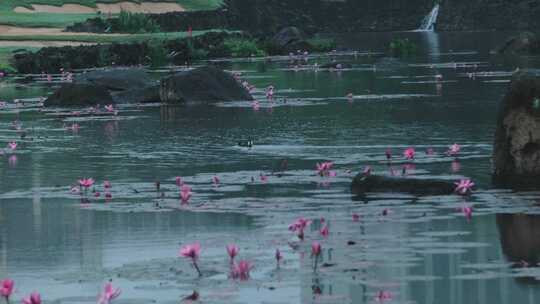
point(416, 249)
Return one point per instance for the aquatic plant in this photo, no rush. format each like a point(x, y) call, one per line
point(243, 47)
point(6, 288)
point(179, 182)
point(383, 296)
point(325, 231)
point(241, 270)
point(34, 298)
point(12, 145)
point(86, 183)
point(299, 225)
point(316, 250)
point(464, 187)
point(157, 53)
point(192, 251)
point(270, 93)
point(356, 217)
point(185, 194)
point(109, 294)
point(215, 181)
point(409, 153)
point(453, 150)
point(278, 257)
point(467, 211)
point(323, 169)
point(402, 48)
point(232, 251)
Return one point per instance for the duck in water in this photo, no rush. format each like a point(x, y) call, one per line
point(246, 143)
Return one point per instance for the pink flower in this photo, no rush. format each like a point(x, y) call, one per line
point(109, 293)
point(6, 288)
point(179, 181)
point(388, 154)
point(108, 195)
point(323, 169)
point(191, 251)
point(109, 108)
point(383, 296)
point(299, 226)
point(107, 184)
point(86, 182)
point(367, 171)
point(316, 249)
point(185, 194)
point(355, 217)
point(429, 151)
point(409, 153)
point(215, 180)
point(241, 270)
point(264, 178)
point(97, 194)
point(12, 145)
point(232, 251)
point(453, 149)
point(325, 231)
point(464, 187)
point(34, 298)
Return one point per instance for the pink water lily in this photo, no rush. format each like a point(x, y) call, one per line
point(241, 270)
point(178, 181)
point(12, 145)
point(108, 294)
point(409, 153)
point(316, 250)
point(107, 184)
point(453, 149)
point(325, 231)
point(6, 288)
point(383, 296)
point(109, 108)
point(215, 181)
point(323, 169)
point(185, 194)
point(34, 298)
point(108, 196)
point(464, 187)
point(356, 217)
point(299, 225)
point(232, 251)
point(388, 154)
point(192, 251)
point(86, 182)
point(270, 93)
point(264, 178)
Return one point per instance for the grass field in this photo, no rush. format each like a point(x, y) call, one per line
point(127, 38)
point(9, 17)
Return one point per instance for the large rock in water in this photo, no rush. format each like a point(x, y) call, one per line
point(524, 43)
point(419, 186)
point(79, 94)
point(516, 151)
point(204, 85)
point(132, 85)
point(520, 237)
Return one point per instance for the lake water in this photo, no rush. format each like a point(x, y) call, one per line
point(424, 250)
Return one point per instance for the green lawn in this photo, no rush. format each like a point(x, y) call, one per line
point(9, 17)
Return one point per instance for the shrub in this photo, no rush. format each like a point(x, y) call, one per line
point(242, 47)
point(322, 44)
point(157, 53)
point(135, 23)
point(402, 47)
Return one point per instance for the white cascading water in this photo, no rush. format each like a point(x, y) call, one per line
point(428, 24)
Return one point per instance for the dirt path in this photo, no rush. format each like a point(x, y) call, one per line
point(106, 8)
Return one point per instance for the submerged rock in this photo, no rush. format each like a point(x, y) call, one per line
point(206, 84)
point(516, 152)
point(107, 86)
point(79, 94)
point(378, 183)
point(524, 43)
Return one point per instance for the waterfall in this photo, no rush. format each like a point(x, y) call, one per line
point(428, 24)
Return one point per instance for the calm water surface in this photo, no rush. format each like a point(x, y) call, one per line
point(423, 251)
